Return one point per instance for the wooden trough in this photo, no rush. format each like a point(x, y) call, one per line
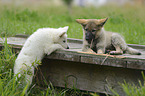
point(84, 71)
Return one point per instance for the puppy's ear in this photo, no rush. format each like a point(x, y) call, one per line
point(62, 34)
point(82, 21)
point(103, 21)
point(65, 28)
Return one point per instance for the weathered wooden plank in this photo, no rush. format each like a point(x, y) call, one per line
point(130, 61)
point(104, 61)
point(136, 64)
point(80, 41)
point(98, 59)
point(90, 77)
point(64, 56)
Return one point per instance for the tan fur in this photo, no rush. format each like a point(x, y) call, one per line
point(96, 39)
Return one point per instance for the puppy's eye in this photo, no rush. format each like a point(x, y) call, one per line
point(86, 29)
point(99, 25)
point(93, 30)
point(64, 41)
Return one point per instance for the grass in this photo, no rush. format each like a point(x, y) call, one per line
point(126, 20)
point(7, 83)
point(132, 89)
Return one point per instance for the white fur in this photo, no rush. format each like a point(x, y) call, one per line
point(43, 41)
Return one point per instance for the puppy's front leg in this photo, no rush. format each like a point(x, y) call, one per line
point(87, 49)
point(100, 48)
point(49, 49)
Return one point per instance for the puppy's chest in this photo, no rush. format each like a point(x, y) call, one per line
point(107, 43)
point(93, 43)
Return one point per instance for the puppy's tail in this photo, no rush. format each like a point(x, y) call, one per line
point(132, 51)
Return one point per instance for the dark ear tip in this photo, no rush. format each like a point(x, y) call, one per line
point(106, 18)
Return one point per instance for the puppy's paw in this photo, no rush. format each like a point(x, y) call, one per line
point(90, 51)
point(100, 52)
point(115, 53)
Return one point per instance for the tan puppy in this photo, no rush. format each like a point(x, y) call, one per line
point(96, 39)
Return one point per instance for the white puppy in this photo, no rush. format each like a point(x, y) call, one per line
point(43, 41)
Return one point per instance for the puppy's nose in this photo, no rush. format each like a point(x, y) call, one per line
point(67, 47)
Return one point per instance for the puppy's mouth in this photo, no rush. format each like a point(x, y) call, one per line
point(89, 37)
point(89, 40)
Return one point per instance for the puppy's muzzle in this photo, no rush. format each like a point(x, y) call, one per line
point(89, 36)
